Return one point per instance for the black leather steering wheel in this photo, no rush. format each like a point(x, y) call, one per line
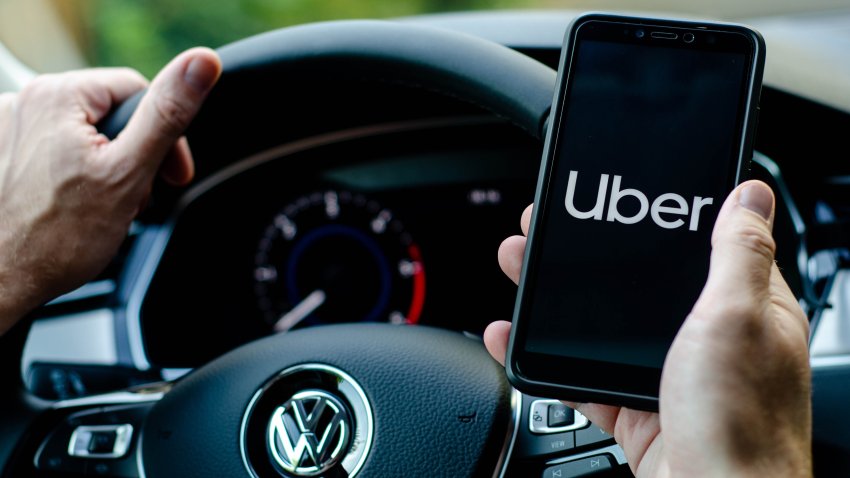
point(414, 401)
point(491, 76)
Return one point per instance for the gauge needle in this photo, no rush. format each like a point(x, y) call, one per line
point(300, 312)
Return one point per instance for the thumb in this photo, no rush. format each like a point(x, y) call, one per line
point(742, 252)
point(174, 97)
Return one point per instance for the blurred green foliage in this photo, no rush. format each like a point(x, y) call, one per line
point(145, 34)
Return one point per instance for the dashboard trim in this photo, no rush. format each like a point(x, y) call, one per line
point(154, 252)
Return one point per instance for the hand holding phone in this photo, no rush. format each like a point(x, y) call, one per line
point(651, 127)
point(735, 395)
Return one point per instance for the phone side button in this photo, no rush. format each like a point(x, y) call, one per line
point(591, 435)
point(583, 467)
point(548, 444)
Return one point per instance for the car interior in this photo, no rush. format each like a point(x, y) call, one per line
point(354, 181)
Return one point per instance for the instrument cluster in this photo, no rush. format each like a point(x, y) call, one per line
point(400, 228)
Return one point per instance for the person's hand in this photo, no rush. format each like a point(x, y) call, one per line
point(735, 389)
point(67, 193)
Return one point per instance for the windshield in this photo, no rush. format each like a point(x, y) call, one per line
point(146, 34)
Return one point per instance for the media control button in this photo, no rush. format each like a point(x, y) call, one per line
point(591, 435)
point(577, 468)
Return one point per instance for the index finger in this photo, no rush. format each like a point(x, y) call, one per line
point(103, 88)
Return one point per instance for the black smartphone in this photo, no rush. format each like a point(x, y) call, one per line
point(652, 126)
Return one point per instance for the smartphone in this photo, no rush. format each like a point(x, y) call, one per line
point(652, 126)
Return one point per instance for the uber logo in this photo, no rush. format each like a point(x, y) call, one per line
point(669, 204)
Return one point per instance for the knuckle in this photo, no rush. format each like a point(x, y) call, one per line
point(34, 88)
point(47, 88)
point(110, 170)
point(132, 72)
point(172, 114)
point(756, 239)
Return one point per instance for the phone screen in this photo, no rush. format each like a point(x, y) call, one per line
point(646, 149)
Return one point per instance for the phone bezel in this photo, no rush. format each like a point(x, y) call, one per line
point(589, 380)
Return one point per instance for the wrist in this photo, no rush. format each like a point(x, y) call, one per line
point(16, 297)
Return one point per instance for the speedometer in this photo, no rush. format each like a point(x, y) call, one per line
point(337, 256)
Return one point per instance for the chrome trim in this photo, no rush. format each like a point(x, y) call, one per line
point(156, 249)
point(174, 374)
point(115, 398)
point(80, 440)
point(140, 287)
point(615, 450)
point(579, 420)
point(510, 439)
point(350, 389)
point(140, 465)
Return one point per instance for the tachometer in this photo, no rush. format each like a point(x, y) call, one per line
point(337, 257)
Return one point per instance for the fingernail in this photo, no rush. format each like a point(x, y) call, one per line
point(201, 74)
point(757, 198)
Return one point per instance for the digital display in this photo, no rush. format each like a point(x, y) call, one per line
point(647, 152)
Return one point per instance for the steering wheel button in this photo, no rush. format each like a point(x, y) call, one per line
point(577, 468)
point(560, 415)
point(591, 435)
point(547, 444)
point(101, 441)
point(552, 416)
point(53, 462)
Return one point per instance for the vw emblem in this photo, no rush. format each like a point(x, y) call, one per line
point(309, 434)
point(309, 420)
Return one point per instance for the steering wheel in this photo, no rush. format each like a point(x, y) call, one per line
point(340, 400)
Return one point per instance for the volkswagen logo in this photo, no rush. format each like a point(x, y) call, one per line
point(309, 420)
point(308, 434)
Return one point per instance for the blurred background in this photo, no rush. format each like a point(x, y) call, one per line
point(55, 35)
